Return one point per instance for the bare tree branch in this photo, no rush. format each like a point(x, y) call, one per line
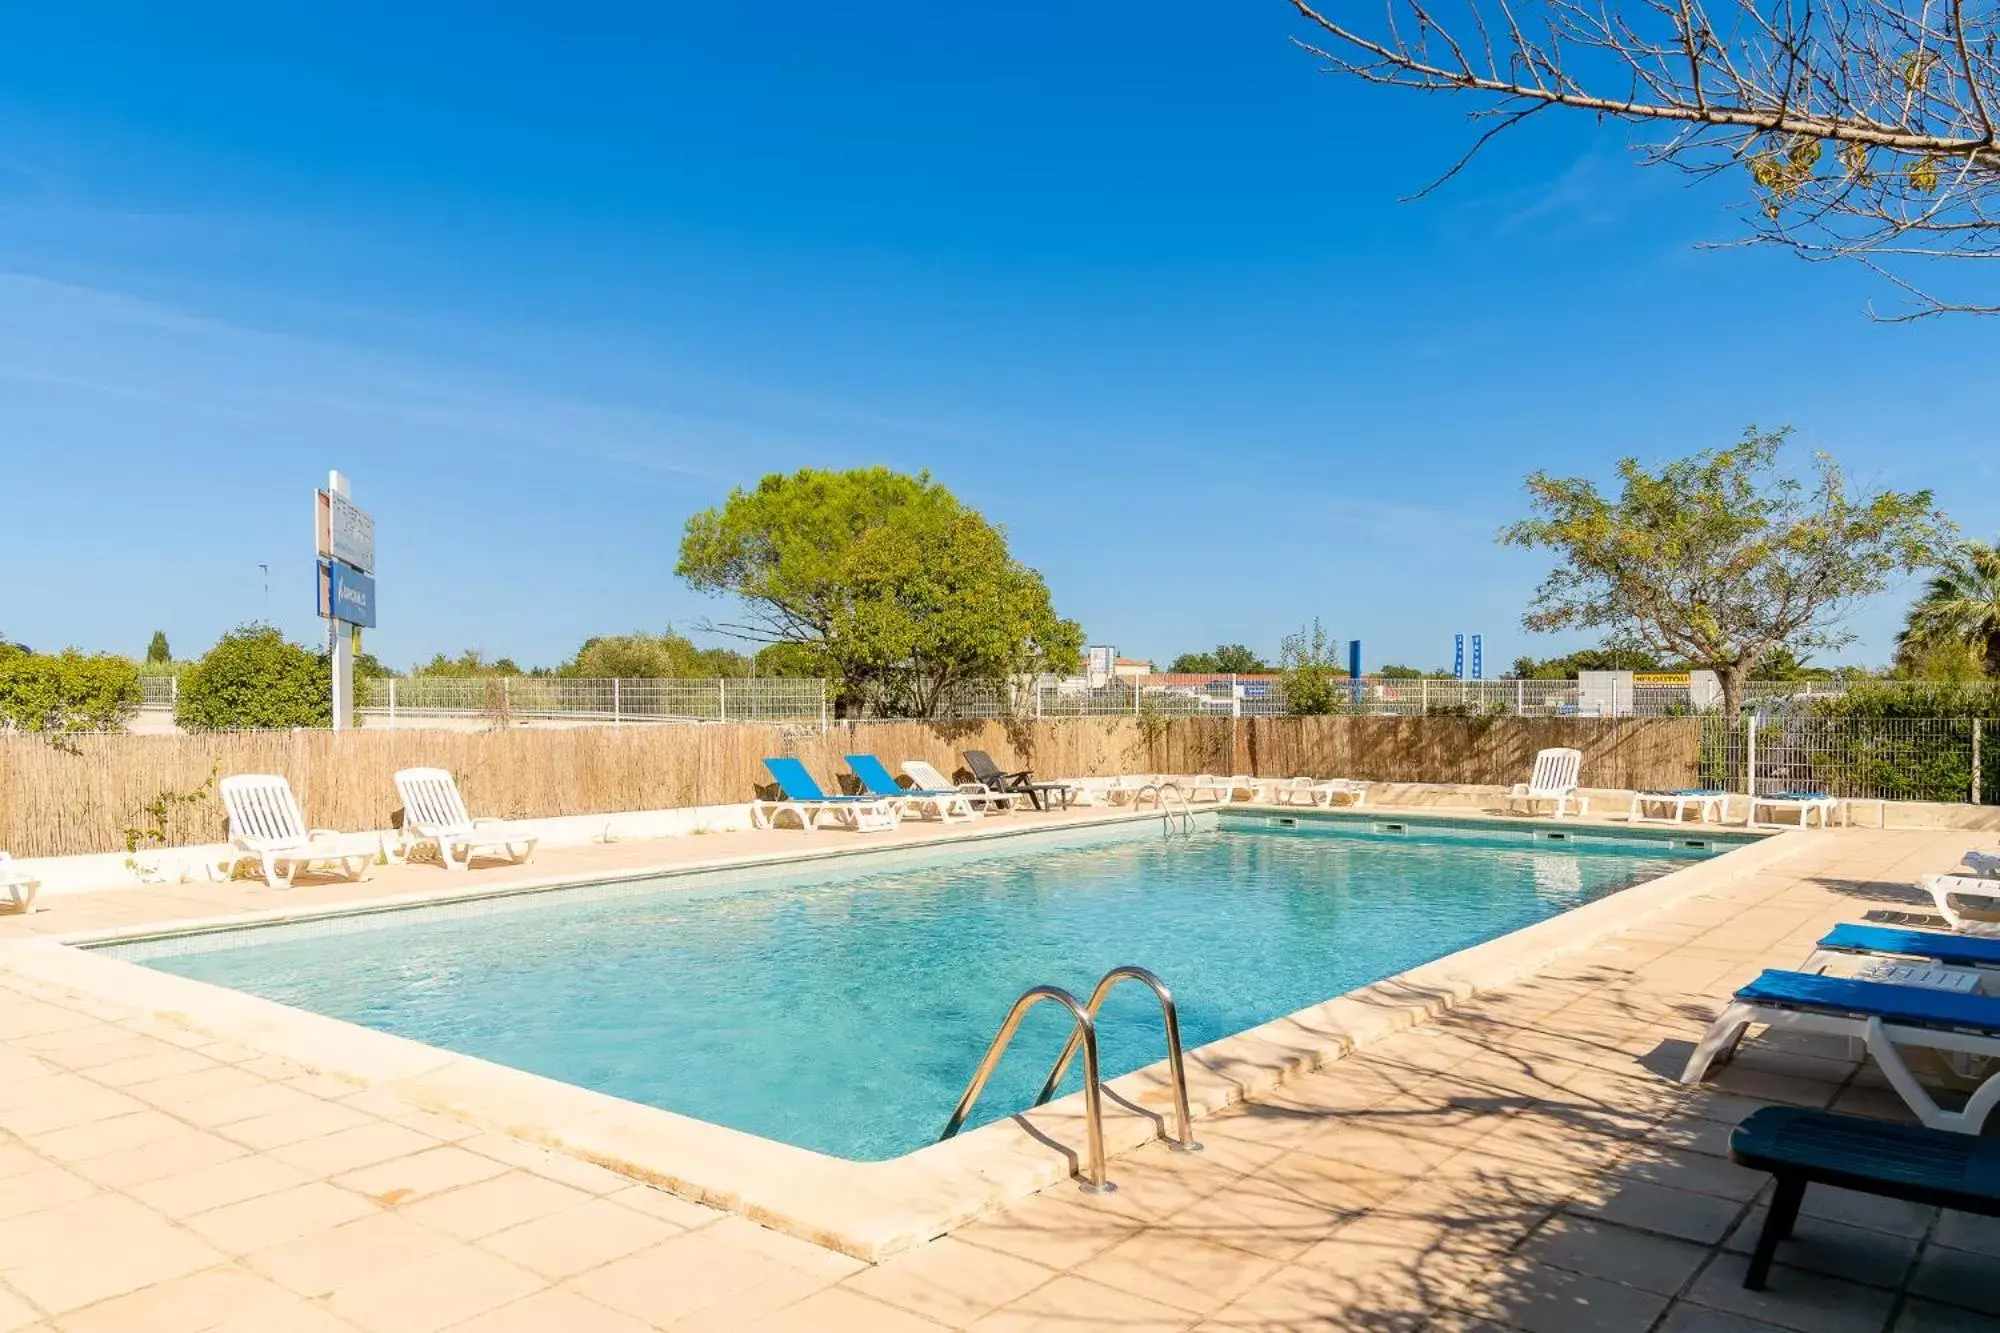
point(1865, 127)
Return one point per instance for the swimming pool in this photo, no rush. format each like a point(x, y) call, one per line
point(840, 1006)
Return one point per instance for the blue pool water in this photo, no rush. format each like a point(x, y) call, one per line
point(842, 1006)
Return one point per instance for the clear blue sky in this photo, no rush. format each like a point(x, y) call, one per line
point(545, 279)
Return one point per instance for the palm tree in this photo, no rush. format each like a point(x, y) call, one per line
point(1960, 608)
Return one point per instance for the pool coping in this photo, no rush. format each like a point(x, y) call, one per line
point(866, 1209)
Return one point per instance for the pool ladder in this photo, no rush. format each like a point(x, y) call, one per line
point(1176, 816)
point(1083, 1033)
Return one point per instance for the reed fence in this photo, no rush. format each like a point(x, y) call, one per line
point(101, 793)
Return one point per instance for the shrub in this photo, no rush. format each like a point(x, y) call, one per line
point(1314, 682)
point(67, 691)
point(255, 679)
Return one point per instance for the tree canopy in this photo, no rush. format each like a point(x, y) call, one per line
point(254, 678)
point(471, 662)
point(1568, 665)
point(1720, 559)
point(157, 651)
point(642, 656)
point(1224, 658)
point(1953, 629)
point(900, 590)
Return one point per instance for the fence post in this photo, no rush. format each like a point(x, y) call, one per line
point(1750, 756)
point(1520, 698)
point(617, 703)
point(1424, 697)
point(392, 701)
point(822, 708)
point(722, 698)
point(1977, 783)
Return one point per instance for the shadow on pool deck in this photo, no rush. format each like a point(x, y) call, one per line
point(1527, 1162)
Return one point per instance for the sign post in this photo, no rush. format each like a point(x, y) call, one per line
point(344, 536)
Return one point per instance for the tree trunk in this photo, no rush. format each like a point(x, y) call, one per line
point(1730, 677)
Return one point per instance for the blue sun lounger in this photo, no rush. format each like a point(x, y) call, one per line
point(877, 780)
point(803, 797)
point(1881, 1016)
point(1932, 946)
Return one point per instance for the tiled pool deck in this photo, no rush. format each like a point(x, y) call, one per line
point(1523, 1162)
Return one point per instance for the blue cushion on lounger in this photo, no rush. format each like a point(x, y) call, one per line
point(1918, 1006)
point(1936, 945)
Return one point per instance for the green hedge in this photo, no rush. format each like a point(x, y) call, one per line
point(67, 691)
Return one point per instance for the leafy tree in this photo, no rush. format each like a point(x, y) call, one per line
point(67, 691)
point(1225, 659)
point(1782, 664)
point(157, 652)
point(472, 662)
point(367, 666)
point(642, 656)
point(797, 660)
point(1718, 559)
point(1589, 659)
point(1957, 619)
point(1313, 677)
point(901, 590)
point(254, 678)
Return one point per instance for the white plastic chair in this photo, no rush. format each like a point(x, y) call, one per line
point(265, 825)
point(433, 811)
point(1555, 778)
point(20, 885)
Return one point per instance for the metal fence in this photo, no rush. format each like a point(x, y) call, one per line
point(1855, 758)
point(774, 699)
point(784, 699)
point(1777, 746)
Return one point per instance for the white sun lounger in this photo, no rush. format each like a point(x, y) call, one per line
point(1982, 918)
point(1555, 779)
point(1706, 802)
point(1804, 804)
point(1220, 790)
point(265, 826)
point(22, 887)
point(433, 811)
point(1311, 791)
point(925, 775)
point(1883, 1017)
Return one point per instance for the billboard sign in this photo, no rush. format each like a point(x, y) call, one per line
point(345, 531)
point(346, 594)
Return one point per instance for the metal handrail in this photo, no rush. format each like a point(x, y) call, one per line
point(1167, 816)
point(1169, 1019)
point(1085, 1031)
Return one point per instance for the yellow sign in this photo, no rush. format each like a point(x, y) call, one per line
point(1660, 678)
